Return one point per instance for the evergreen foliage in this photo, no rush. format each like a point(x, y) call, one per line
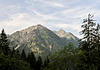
point(63, 59)
point(90, 44)
point(32, 60)
point(7, 63)
point(23, 55)
point(46, 62)
point(8, 59)
point(4, 43)
point(39, 63)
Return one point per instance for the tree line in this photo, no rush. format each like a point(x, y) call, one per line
point(13, 60)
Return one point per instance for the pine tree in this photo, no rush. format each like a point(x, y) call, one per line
point(23, 55)
point(90, 41)
point(12, 54)
point(88, 32)
point(46, 62)
point(97, 47)
point(32, 60)
point(17, 54)
point(4, 43)
point(39, 63)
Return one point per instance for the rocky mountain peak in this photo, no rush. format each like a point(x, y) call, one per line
point(40, 39)
point(32, 28)
point(61, 31)
point(39, 25)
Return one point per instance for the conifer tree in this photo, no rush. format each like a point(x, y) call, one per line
point(96, 54)
point(12, 54)
point(39, 63)
point(17, 54)
point(88, 33)
point(4, 43)
point(90, 42)
point(46, 62)
point(32, 60)
point(23, 55)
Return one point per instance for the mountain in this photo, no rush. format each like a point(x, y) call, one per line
point(40, 40)
point(37, 39)
point(67, 37)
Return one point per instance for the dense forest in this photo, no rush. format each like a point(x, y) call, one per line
point(85, 57)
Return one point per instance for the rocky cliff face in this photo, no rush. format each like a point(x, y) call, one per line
point(67, 37)
point(40, 40)
point(37, 39)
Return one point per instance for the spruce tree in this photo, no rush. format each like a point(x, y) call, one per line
point(32, 60)
point(46, 62)
point(89, 44)
point(23, 55)
point(4, 43)
point(97, 47)
point(39, 63)
point(88, 33)
point(17, 54)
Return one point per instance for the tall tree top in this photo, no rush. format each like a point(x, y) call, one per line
point(3, 35)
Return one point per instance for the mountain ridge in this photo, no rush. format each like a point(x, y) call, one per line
point(67, 37)
point(38, 39)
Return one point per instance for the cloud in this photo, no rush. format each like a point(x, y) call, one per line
point(80, 12)
point(17, 22)
point(54, 14)
point(52, 3)
point(45, 17)
point(46, 2)
point(73, 26)
point(20, 21)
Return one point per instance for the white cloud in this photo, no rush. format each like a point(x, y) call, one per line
point(45, 16)
point(55, 4)
point(20, 21)
point(76, 26)
point(52, 3)
point(63, 14)
point(17, 22)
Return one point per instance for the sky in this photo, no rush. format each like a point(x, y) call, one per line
point(68, 15)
